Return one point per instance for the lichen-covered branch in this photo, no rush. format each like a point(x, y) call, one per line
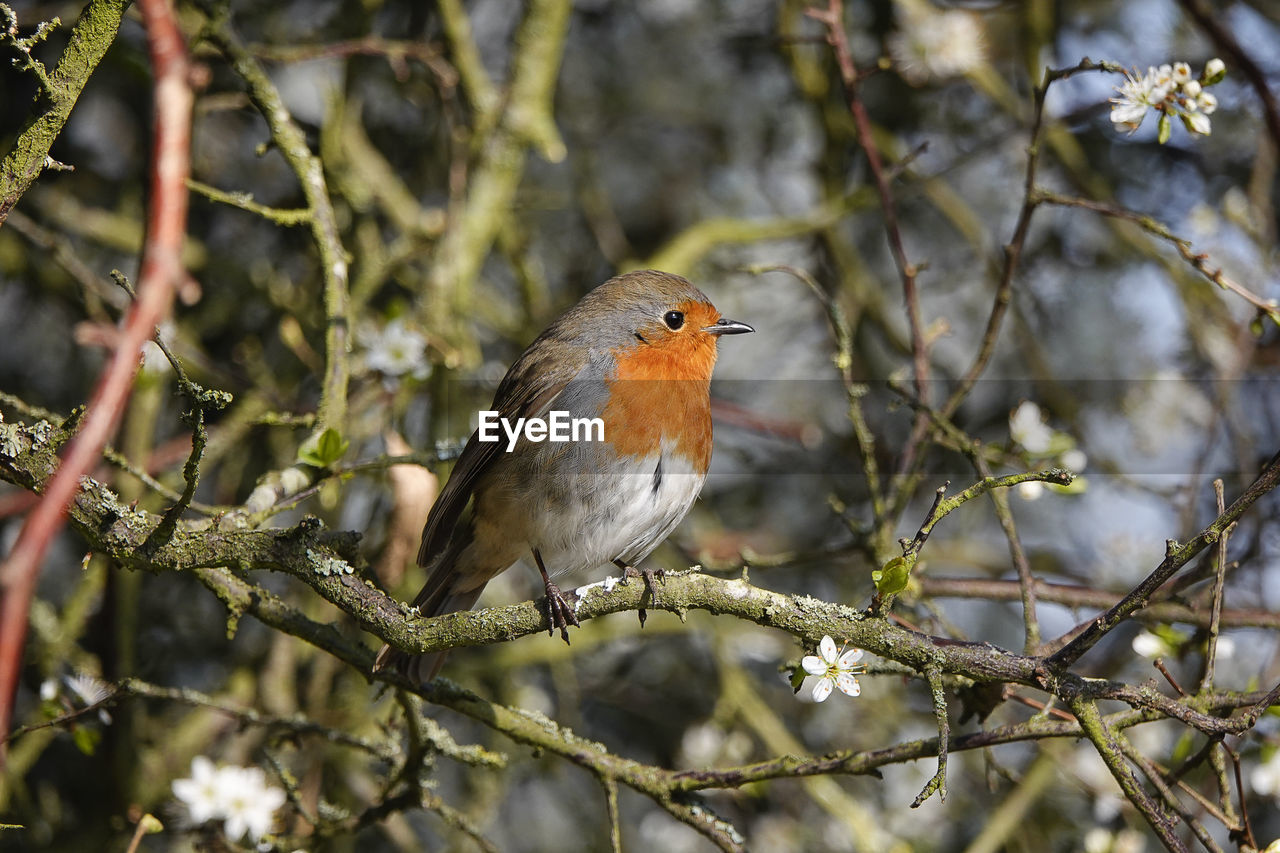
point(93, 34)
point(1107, 741)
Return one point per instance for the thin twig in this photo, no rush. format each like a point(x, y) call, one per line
point(1244, 810)
point(1157, 779)
point(1198, 260)
point(611, 804)
point(1026, 581)
point(290, 140)
point(833, 19)
point(1215, 620)
point(1013, 250)
point(244, 201)
point(1168, 676)
point(1176, 556)
point(1160, 609)
point(938, 782)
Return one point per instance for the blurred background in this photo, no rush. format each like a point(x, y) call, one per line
point(712, 140)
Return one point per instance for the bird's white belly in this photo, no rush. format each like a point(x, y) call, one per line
point(615, 516)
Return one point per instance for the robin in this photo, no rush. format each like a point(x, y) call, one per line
point(636, 353)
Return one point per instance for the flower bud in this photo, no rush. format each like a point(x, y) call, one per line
point(1214, 70)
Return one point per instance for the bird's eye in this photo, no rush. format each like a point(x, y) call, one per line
point(674, 320)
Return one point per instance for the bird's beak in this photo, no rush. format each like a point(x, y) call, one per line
point(727, 327)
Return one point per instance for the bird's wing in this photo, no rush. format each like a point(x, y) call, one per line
point(518, 396)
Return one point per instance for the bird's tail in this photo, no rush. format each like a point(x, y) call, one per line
point(447, 590)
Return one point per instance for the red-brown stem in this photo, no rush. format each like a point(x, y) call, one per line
point(833, 18)
point(161, 272)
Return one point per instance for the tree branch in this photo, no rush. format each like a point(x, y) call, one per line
point(94, 33)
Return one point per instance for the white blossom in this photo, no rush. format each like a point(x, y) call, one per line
point(238, 796)
point(1148, 645)
point(1030, 490)
point(397, 350)
point(1265, 778)
point(250, 803)
point(932, 44)
point(202, 793)
point(1135, 98)
point(1027, 427)
point(1170, 90)
point(1074, 460)
point(87, 688)
point(836, 668)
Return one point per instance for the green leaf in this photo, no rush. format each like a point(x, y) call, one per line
point(323, 450)
point(797, 678)
point(1164, 129)
point(892, 579)
point(1172, 637)
point(1182, 749)
point(86, 739)
point(1059, 443)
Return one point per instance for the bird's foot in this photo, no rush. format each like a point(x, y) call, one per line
point(649, 576)
point(559, 613)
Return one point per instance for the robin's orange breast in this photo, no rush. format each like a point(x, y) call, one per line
point(660, 393)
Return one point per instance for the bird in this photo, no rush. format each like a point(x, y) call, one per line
point(637, 352)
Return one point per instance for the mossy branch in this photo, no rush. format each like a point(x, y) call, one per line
point(330, 563)
point(92, 35)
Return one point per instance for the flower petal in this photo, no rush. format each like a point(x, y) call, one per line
point(849, 658)
point(848, 685)
point(827, 649)
point(235, 826)
point(822, 689)
point(1197, 123)
point(1128, 114)
point(202, 769)
point(813, 665)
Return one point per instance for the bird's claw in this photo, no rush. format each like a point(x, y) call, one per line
point(559, 613)
point(648, 576)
